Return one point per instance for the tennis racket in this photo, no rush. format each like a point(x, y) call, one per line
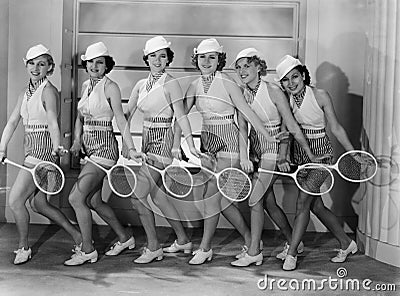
point(177, 180)
point(355, 166)
point(311, 178)
point(121, 178)
point(233, 183)
point(47, 176)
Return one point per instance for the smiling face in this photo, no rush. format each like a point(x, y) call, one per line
point(158, 60)
point(207, 62)
point(248, 72)
point(293, 82)
point(96, 67)
point(38, 68)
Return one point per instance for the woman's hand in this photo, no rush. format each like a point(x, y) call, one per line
point(283, 165)
point(76, 148)
point(176, 153)
point(247, 166)
point(282, 136)
point(60, 151)
point(138, 157)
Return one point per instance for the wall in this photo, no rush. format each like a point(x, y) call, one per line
point(334, 52)
point(3, 92)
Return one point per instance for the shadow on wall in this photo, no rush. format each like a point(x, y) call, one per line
point(348, 109)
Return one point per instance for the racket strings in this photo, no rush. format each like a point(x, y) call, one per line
point(178, 181)
point(315, 180)
point(357, 166)
point(49, 177)
point(122, 180)
point(235, 184)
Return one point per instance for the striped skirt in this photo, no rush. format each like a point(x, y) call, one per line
point(158, 138)
point(260, 147)
point(100, 143)
point(37, 145)
point(319, 144)
point(220, 137)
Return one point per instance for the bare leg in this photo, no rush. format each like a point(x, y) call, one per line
point(331, 222)
point(301, 221)
point(146, 215)
point(212, 203)
point(43, 207)
point(108, 215)
point(229, 210)
point(277, 215)
point(21, 190)
point(170, 213)
point(89, 181)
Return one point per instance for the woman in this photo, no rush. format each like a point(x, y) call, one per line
point(100, 102)
point(218, 98)
point(313, 110)
point(38, 106)
point(269, 103)
point(160, 99)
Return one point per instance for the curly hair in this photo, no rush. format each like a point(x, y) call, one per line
point(303, 71)
point(170, 56)
point(221, 61)
point(110, 63)
point(259, 62)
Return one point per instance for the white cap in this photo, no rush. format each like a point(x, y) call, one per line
point(154, 44)
point(286, 64)
point(94, 51)
point(36, 51)
point(208, 45)
point(248, 53)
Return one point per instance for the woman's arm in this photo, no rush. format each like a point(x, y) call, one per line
point(50, 98)
point(245, 163)
point(281, 103)
point(77, 143)
point(10, 127)
point(113, 93)
point(187, 103)
point(240, 103)
point(325, 102)
point(174, 92)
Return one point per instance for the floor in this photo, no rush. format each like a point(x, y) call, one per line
point(45, 274)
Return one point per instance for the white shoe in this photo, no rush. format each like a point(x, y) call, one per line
point(342, 254)
point(118, 247)
point(290, 263)
point(175, 247)
point(148, 256)
point(81, 257)
point(245, 249)
point(200, 256)
point(282, 255)
point(22, 255)
point(246, 260)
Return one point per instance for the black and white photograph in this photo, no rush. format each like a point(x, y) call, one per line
point(205, 147)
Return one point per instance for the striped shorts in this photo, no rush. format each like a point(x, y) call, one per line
point(220, 137)
point(100, 143)
point(319, 144)
point(38, 145)
point(158, 138)
point(260, 147)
